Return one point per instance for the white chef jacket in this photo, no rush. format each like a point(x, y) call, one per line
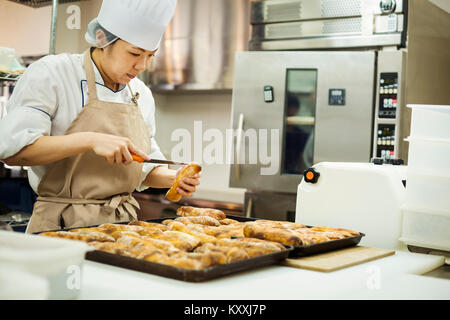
point(49, 96)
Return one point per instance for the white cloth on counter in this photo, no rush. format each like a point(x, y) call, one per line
point(49, 96)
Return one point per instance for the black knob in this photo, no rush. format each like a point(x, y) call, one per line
point(311, 175)
point(377, 161)
point(396, 162)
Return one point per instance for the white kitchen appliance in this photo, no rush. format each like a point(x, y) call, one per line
point(365, 197)
point(426, 212)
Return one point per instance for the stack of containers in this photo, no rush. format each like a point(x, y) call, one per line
point(426, 211)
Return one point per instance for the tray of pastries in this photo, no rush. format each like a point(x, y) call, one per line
point(306, 240)
point(202, 243)
point(181, 248)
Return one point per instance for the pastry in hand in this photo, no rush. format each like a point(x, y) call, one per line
point(186, 172)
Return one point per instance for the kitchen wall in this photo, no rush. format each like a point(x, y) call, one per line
point(71, 25)
point(25, 29)
point(175, 110)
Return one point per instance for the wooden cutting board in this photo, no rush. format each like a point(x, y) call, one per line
point(339, 259)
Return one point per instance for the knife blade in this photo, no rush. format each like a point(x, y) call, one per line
point(140, 160)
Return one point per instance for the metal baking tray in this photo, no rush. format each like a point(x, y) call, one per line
point(182, 273)
point(301, 251)
point(187, 274)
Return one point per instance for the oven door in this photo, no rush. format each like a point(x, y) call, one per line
point(293, 109)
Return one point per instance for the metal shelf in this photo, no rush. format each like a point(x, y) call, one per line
point(9, 76)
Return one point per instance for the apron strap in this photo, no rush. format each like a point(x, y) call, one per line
point(90, 78)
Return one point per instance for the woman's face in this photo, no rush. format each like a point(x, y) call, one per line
point(124, 61)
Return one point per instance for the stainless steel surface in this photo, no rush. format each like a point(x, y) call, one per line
point(325, 28)
point(342, 133)
point(295, 10)
point(53, 26)
point(328, 43)
point(270, 205)
point(197, 51)
point(314, 24)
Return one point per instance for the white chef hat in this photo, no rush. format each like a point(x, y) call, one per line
point(139, 22)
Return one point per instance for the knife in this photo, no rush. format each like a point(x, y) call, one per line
point(140, 160)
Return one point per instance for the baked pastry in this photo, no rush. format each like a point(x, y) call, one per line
point(284, 236)
point(150, 225)
point(207, 259)
point(118, 234)
point(164, 245)
point(185, 172)
point(185, 263)
point(81, 236)
point(228, 221)
point(187, 211)
point(225, 231)
point(204, 220)
point(345, 232)
point(111, 227)
point(177, 235)
point(280, 224)
point(201, 236)
point(232, 253)
point(113, 247)
point(253, 248)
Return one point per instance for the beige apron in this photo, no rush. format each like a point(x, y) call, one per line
point(85, 190)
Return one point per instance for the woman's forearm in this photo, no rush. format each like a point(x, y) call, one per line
point(160, 177)
point(47, 149)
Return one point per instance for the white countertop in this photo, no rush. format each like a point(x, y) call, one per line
point(393, 277)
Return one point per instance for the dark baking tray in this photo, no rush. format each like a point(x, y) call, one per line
point(187, 274)
point(182, 273)
point(301, 251)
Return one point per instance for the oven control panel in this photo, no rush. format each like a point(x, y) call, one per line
point(388, 95)
point(385, 141)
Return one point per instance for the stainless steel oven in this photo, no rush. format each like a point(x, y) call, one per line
point(318, 105)
point(330, 80)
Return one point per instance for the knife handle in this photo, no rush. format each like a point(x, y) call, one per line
point(137, 158)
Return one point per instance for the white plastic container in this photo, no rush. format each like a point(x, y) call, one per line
point(18, 284)
point(7, 56)
point(430, 156)
point(58, 260)
point(426, 229)
point(427, 192)
point(361, 196)
point(430, 121)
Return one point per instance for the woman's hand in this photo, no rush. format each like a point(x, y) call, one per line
point(115, 149)
point(188, 186)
